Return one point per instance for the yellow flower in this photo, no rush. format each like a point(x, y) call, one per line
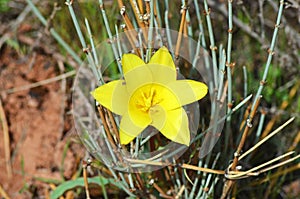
point(151, 95)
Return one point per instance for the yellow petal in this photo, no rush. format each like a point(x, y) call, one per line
point(113, 96)
point(163, 57)
point(137, 77)
point(162, 74)
point(129, 130)
point(187, 91)
point(172, 124)
point(169, 100)
point(131, 61)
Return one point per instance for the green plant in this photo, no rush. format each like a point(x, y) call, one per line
point(191, 176)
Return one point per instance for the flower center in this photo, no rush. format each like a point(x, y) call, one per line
point(147, 97)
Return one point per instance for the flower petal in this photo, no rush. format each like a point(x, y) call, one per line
point(137, 77)
point(113, 96)
point(162, 74)
point(172, 124)
point(187, 91)
point(163, 57)
point(169, 100)
point(129, 130)
point(131, 61)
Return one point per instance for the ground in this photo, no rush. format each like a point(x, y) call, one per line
point(39, 126)
point(42, 143)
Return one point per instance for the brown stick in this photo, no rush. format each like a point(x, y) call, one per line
point(137, 14)
point(6, 141)
point(140, 3)
point(86, 183)
point(245, 134)
point(206, 170)
point(229, 183)
point(161, 192)
point(114, 125)
point(183, 19)
point(105, 125)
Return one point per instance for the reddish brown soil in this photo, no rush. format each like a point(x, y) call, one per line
point(36, 120)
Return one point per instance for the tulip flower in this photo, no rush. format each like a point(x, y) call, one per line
point(151, 95)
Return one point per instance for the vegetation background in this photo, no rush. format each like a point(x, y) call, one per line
point(39, 148)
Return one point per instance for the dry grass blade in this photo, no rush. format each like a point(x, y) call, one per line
point(40, 83)
point(182, 22)
point(86, 183)
point(277, 174)
point(180, 192)
point(161, 192)
point(6, 140)
point(243, 174)
point(266, 138)
point(3, 193)
point(280, 164)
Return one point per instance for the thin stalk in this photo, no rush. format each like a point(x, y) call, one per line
point(192, 193)
point(212, 187)
point(237, 107)
point(106, 24)
point(157, 12)
point(86, 183)
point(150, 32)
point(169, 39)
point(123, 13)
point(200, 23)
point(212, 47)
point(141, 45)
point(260, 125)
point(271, 53)
point(176, 172)
point(229, 183)
point(245, 81)
point(94, 52)
point(245, 93)
point(244, 136)
point(183, 179)
point(208, 178)
point(182, 22)
point(76, 24)
point(203, 44)
point(56, 36)
point(118, 41)
point(212, 167)
point(137, 14)
point(130, 181)
point(261, 18)
point(229, 64)
point(140, 4)
point(105, 125)
point(189, 32)
point(91, 41)
point(90, 59)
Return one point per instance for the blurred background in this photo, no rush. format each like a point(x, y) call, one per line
point(37, 72)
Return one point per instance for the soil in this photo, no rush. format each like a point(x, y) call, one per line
point(37, 123)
